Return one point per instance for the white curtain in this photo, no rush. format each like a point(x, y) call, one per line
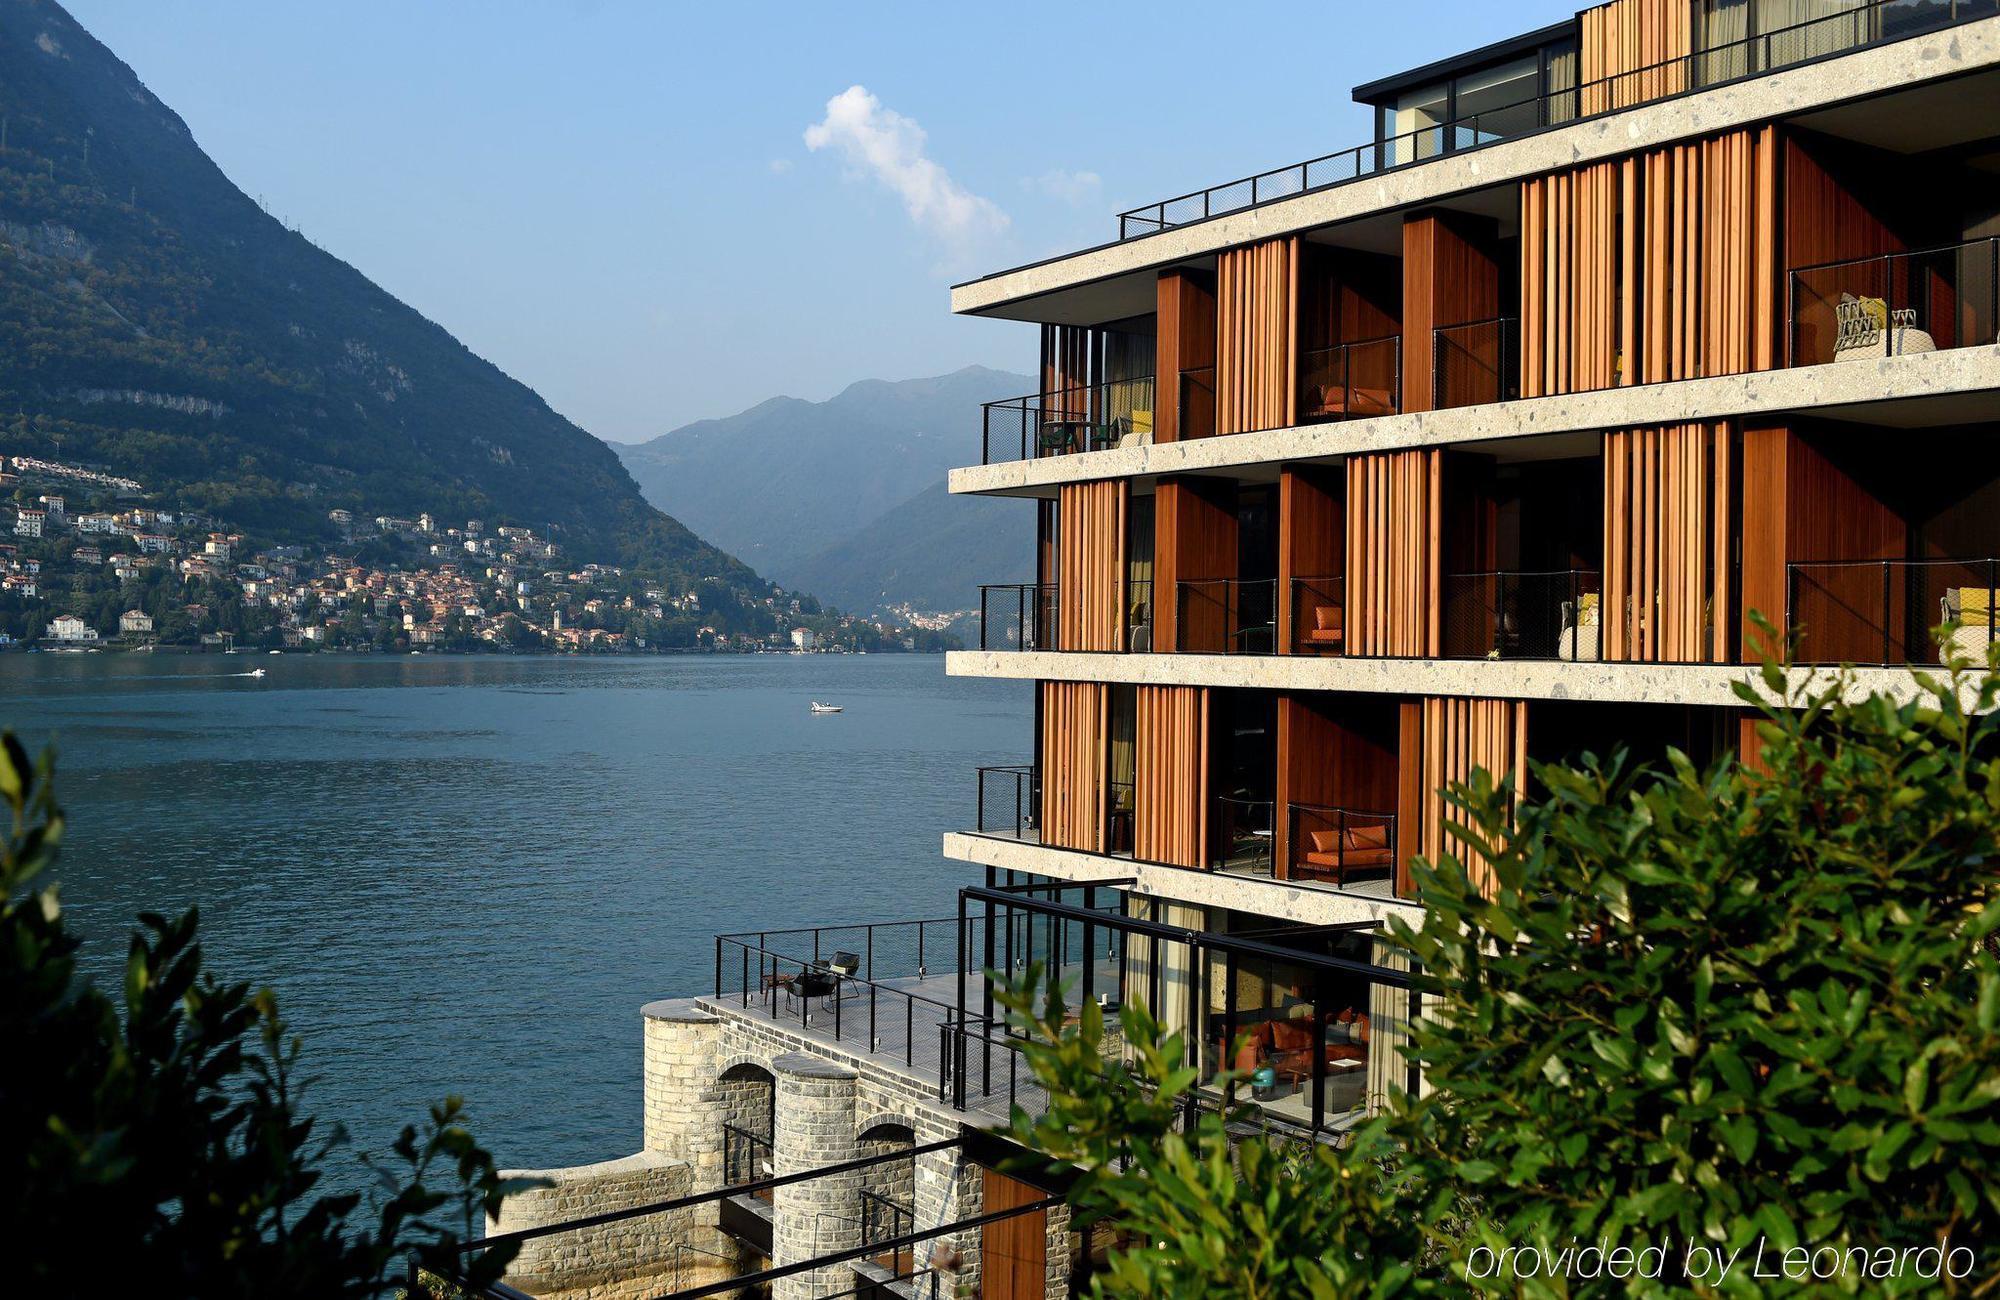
point(1388, 1030)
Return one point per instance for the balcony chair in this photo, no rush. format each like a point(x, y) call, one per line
point(1338, 852)
point(1581, 627)
point(1975, 618)
point(1138, 430)
point(1326, 632)
point(1869, 331)
point(1339, 402)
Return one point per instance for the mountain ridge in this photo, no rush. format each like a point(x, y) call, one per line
point(156, 321)
point(816, 475)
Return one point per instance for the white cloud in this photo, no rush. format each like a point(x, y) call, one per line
point(779, 166)
point(890, 147)
point(1069, 186)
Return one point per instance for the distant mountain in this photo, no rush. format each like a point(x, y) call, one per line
point(791, 485)
point(932, 552)
point(154, 321)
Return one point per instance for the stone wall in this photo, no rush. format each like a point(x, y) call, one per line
point(615, 1261)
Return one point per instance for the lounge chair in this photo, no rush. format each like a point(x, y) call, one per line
point(1870, 331)
point(1969, 608)
point(1326, 631)
point(1363, 849)
point(1580, 630)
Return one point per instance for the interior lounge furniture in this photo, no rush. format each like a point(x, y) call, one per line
point(1282, 1043)
point(1324, 629)
point(1363, 849)
point(1868, 330)
point(1972, 611)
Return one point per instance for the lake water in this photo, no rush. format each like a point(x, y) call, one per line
point(468, 874)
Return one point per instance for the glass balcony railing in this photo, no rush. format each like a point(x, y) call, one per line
point(1896, 304)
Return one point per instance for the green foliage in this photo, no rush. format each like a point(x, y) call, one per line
point(1212, 1215)
point(1704, 1008)
point(158, 1145)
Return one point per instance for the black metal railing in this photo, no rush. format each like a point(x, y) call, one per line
point(1119, 817)
point(1350, 381)
point(746, 1156)
point(1514, 615)
point(1196, 412)
point(1010, 801)
point(1017, 616)
point(883, 1220)
point(1089, 418)
point(1341, 846)
point(1850, 29)
point(1886, 611)
point(1319, 615)
point(884, 1016)
point(1243, 833)
point(1895, 304)
point(1230, 616)
point(1476, 362)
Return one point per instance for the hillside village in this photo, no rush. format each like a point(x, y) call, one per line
point(88, 559)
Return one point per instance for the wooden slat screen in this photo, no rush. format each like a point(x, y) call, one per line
point(1170, 776)
point(1075, 722)
point(1667, 496)
point(1657, 267)
point(1090, 577)
point(1570, 318)
point(1256, 302)
point(1393, 549)
point(1628, 40)
point(1459, 736)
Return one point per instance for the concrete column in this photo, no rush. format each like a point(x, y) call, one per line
point(683, 1118)
point(818, 1216)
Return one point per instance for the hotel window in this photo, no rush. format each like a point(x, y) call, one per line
point(1412, 127)
point(1736, 38)
point(1501, 99)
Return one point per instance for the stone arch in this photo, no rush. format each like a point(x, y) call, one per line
point(748, 1095)
point(888, 1191)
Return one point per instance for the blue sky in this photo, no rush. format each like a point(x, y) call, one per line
point(616, 202)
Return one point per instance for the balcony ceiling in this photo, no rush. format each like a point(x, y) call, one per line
point(1934, 115)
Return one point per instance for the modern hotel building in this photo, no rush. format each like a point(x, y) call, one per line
point(1471, 446)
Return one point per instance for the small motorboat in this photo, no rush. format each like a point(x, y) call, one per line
point(825, 708)
point(255, 672)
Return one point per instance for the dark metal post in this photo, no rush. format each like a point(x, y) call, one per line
point(1885, 612)
point(979, 799)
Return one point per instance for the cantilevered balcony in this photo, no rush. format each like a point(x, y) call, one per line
point(1352, 849)
point(1350, 381)
point(1896, 304)
point(1516, 615)
point(1476, 362)
point(1886, 612)
point(1027, 616)
point(1116, 413)
point(1227, 616)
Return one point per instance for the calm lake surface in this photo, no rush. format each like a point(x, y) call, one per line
point(468, 874)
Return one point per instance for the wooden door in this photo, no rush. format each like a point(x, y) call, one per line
point(1013, 1253)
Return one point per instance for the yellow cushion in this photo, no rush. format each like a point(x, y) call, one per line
point(1877, 311)
point(1142, 421)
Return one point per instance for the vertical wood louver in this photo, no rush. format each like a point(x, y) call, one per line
point(1256, 299)
point(1657, 267)
point(1460, 736)
point(1633, 51)
point(1392, 553)
point(1666, 544)
point(1090, 578)
point(1075, 724)
point(1170, 776)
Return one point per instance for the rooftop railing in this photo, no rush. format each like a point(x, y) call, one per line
point(1823, 37)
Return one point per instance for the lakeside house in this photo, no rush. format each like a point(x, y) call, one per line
point(1473, 446)
point(67, 629)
